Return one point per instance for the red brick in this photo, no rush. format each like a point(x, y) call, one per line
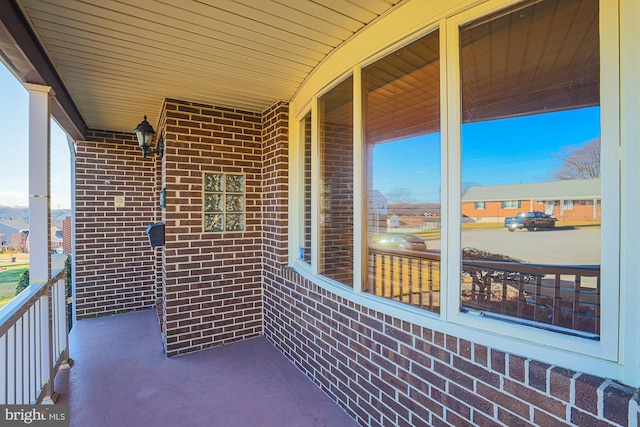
point(517, 368)
point(506, 401)
point(560, 383)
point(480, 354)
point(482, 420)
point(512, 420)
point(476, 371)
point(457, 420)
point(542, 419)
point(616, 400)
point(580, 418)
point(538, 375)
point(471, 399)
point(498, 361)
point(465, 348)
point(535, 398)
point(587, 392)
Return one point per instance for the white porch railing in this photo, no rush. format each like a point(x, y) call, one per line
point(34, 342)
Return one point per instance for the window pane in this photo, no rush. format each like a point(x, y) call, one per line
point(336, 183)
point(530, 146)
point(402, 139)
point(305, 130)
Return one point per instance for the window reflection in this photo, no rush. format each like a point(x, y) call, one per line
point(336, 183)
point(530, 165)
point(402, 139)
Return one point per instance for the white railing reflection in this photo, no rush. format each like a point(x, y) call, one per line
point(34, 342)
point(564, 298)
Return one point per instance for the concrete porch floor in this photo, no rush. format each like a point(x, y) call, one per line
point(121, 377)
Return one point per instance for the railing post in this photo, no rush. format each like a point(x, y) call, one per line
point(45, 340)
point(39, 183)
point(50, 397)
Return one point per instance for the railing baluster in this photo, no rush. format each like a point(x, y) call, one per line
point(37, 344)
point(576, 301)
point(33, 341)
point(24, 398)
point(11, 362)
point(32, 356)
point(404, 278)
point(44, 343)
point(557, 298)
point(4, 367)
point(19, 361)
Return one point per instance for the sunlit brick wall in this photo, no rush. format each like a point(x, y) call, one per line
point(212, 281)
point(67, 241)
point(114, 263)
point(388, 372)
point(385, 371)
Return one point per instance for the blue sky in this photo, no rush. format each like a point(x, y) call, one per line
point(14, 149)
point(507, 151)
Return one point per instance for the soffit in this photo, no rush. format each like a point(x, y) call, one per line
point(119, 60)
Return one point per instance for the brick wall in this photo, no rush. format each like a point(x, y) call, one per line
point(212, 281)
point(388, 372)
point(218, 287)
point(385, 371)
point(67, 238)
point(494, 212)
point(114, 263)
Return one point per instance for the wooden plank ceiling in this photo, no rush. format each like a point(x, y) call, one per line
point(120, 59)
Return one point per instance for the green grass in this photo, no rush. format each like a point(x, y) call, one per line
point(9, 278)
point(11, 272)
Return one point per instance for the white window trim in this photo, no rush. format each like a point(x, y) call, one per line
point(597, 357)
point(629, 157)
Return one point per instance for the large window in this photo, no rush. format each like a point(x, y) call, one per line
point(401, 99)
point(511, 204)
point(335, 110)
point(461, 175)
point(530, 80)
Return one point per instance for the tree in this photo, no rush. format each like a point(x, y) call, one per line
point(23, 283)
point(582, 162)
point(399, 195)
point(17, 242)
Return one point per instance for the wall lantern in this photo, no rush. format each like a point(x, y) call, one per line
point(144, 133)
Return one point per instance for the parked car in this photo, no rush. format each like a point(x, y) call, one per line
point(530, 221)
point(407, 242)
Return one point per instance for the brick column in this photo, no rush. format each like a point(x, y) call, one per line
point(275, 178)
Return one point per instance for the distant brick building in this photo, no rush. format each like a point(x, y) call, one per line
point(570, 200)
point(67, 243)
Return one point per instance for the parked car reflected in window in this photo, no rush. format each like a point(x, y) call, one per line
point(398, 241)
point(531, 221)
